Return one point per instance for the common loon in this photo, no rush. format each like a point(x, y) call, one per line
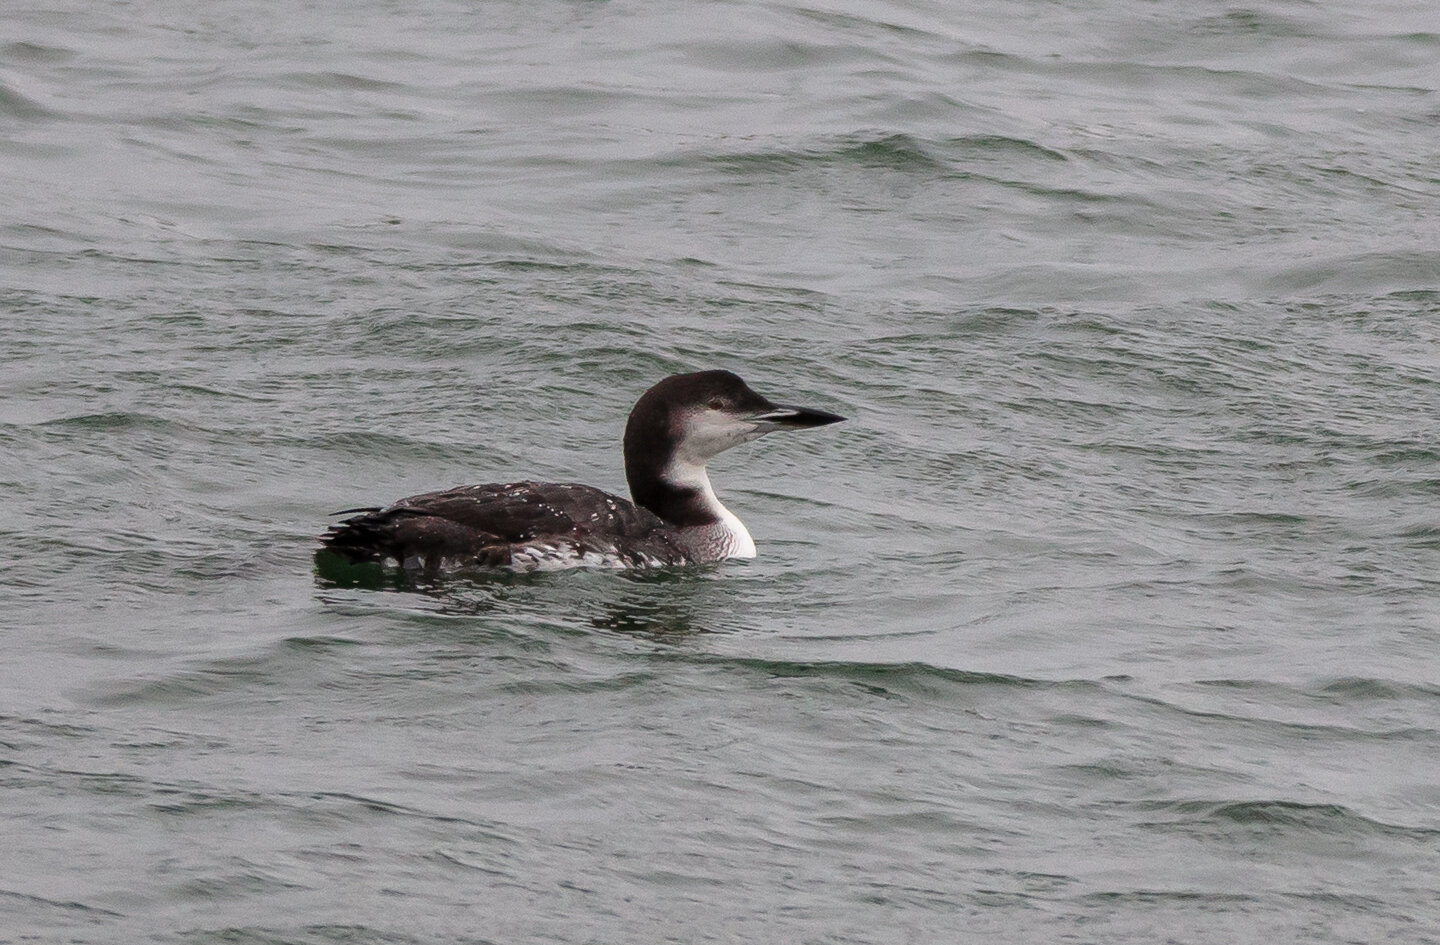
point(675, 428)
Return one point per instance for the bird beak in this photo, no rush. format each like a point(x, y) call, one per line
point(779, 416)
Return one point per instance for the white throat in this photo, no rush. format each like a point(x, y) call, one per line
point(730, 534)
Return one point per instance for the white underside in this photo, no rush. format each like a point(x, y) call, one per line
point(559, 557)
point(550, 556)
point(740, 542)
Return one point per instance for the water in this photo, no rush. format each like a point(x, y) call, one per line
point(1110, 616)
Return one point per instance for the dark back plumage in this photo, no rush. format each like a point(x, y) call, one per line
point(481, 526)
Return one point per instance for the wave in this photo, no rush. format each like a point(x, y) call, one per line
point(1280, 814)
point(71, 907)
point(880, 677)
point(879, 151)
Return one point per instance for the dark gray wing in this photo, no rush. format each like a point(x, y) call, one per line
point(483, 525)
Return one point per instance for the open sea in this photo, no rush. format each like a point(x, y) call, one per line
point(1112, 615)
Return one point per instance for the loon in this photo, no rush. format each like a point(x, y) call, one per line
point(675, 428)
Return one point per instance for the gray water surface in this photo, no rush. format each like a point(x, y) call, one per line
point(1111, 615)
